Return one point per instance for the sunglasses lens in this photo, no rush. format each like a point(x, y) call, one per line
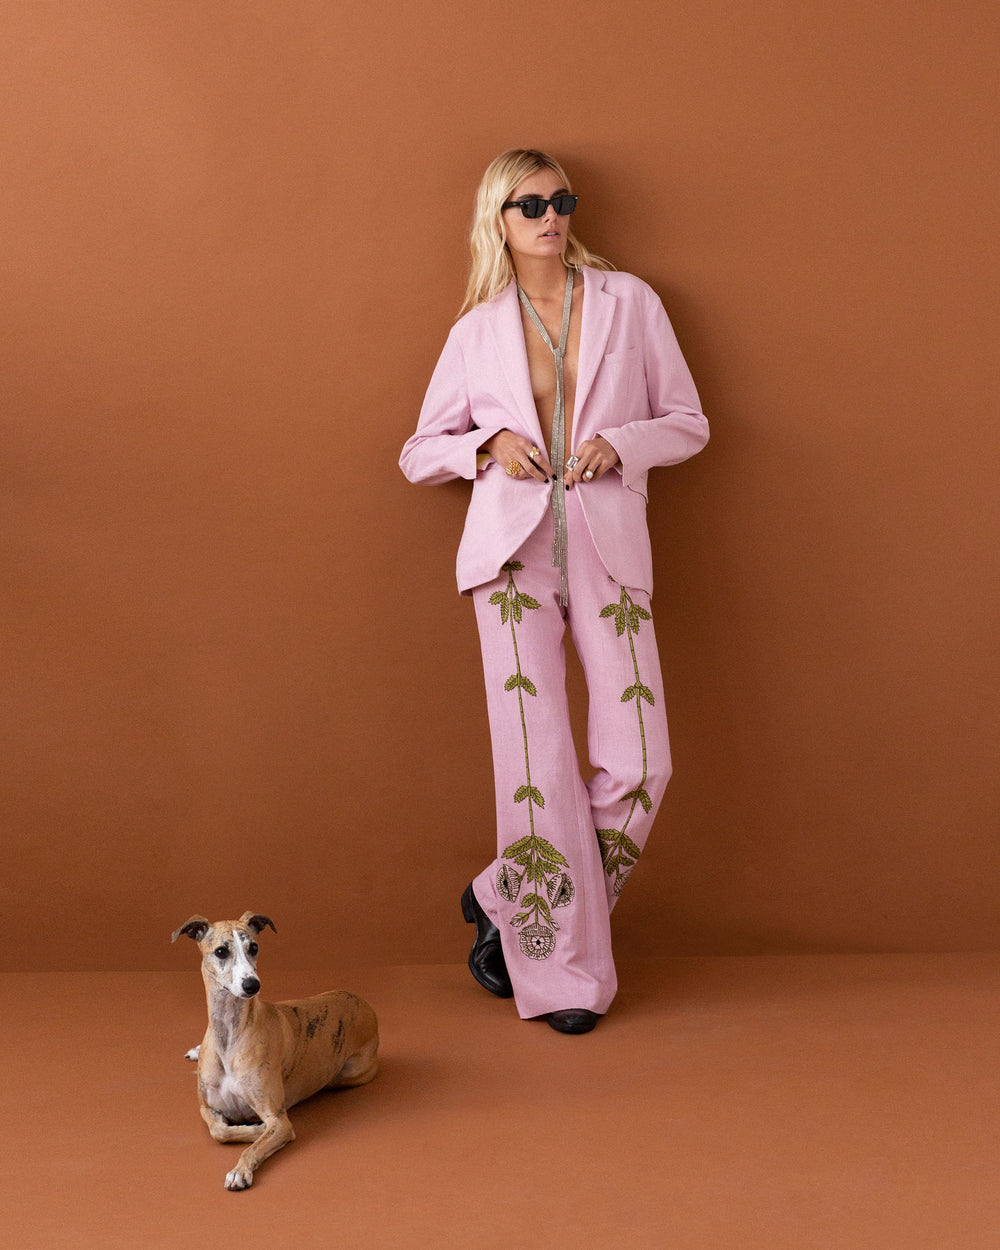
point(564, 204)
point(533, 208)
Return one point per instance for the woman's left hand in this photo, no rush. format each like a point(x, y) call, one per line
point(593, 459)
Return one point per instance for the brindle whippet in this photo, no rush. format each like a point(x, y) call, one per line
point(258, 1059)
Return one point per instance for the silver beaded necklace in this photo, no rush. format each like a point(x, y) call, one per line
point(557, 450)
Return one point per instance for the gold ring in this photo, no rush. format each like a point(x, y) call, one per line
point(535, 452)
point(589, 474)
point(514, 469)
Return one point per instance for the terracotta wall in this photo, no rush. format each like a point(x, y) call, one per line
point(237, 672)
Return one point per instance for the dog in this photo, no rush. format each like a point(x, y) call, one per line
point(258, 1059)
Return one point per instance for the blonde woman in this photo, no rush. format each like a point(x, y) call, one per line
point(558, 389)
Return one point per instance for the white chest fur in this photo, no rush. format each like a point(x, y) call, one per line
point(224, 1093)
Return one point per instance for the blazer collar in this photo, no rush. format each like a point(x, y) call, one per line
point(598, 314)
point(505, 323)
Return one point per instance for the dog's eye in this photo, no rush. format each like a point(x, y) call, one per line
point(252, 948)
point(222, 952)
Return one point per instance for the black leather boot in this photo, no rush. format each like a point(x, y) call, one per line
point(486, 961)
point(573, 1020)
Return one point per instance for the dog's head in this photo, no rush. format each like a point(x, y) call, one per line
point(228, 950)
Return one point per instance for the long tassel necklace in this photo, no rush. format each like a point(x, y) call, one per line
point(557, 451)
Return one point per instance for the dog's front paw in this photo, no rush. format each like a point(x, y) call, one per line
point(193, 1053)
point(239, 1178)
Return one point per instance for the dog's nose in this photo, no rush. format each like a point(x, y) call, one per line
point(250, 986)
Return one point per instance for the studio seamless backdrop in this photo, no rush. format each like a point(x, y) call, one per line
point(235, 676)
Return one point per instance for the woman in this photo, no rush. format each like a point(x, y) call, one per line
point(557, 390)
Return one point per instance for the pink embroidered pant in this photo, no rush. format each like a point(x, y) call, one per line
point(565, 847)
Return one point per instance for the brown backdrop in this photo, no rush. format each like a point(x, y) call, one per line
point(237, 670)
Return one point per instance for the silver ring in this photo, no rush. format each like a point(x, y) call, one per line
point(572, 462)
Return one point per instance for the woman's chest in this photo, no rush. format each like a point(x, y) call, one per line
point(542, 369)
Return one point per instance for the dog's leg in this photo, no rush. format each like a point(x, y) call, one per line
point(276, 1131)
point(360, 1068)
point(223, 1131)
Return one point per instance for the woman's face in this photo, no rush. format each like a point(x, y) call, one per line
point(540, 237)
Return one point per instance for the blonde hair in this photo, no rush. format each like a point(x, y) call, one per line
point(492, 267)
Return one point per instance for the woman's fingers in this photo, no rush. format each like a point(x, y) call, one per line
point(591, 460)
point(520, 462)
point(539, 458)
point(518, 456)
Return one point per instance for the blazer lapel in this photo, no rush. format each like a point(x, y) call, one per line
point(598, 313)
point(505, 323)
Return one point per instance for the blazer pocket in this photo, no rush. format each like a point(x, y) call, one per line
point(621, 371)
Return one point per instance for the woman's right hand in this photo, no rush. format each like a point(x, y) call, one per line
point(508, 448)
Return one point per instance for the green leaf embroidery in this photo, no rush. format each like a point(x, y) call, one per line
point(617, 841)
point(522, 845)
point(549, 851)
point(629, 847)
point(618, 851)
point(640, 794)
point(541, 863)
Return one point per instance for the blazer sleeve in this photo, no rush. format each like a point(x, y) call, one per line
point(676, 428)
point(447, 439)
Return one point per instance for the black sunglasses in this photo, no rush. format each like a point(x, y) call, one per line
point(563, 204)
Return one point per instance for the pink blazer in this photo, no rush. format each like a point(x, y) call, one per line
point(633, 388)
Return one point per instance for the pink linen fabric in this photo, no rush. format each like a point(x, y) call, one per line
point(633, 387)
point(565, 847)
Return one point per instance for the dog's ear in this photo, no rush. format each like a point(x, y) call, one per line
point(196, 928)
point(256, 922)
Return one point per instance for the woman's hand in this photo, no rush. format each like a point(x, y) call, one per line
point(508, 448)
point(593, 459)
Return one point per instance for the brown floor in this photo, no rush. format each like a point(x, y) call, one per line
point(761, 1102)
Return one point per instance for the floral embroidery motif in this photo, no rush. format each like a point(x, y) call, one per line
point(618, 851)
point(530, 859)
point(537, 942)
